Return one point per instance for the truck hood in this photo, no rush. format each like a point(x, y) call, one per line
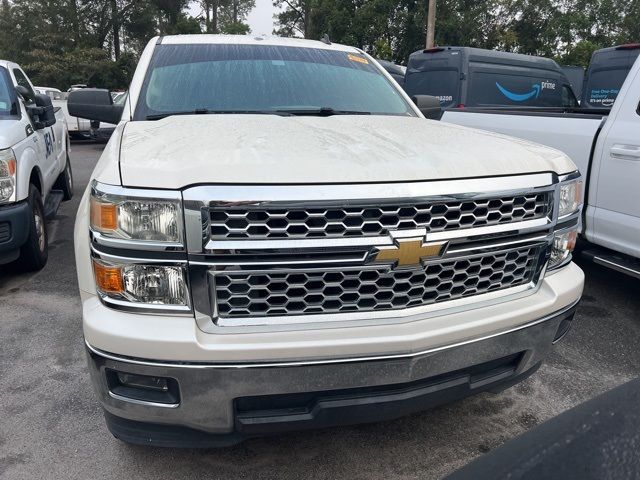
point(12, 131)
point(179, 151)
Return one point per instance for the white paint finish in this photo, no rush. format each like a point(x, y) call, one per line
point(615, 178)
point(11, 132)
point(617, 231)
point(573, 136)
point(269, 149)
point(107, 169)
point(178, 338)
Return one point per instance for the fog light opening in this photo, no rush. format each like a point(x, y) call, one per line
point(158, 391)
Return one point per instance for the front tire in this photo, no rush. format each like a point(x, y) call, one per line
point(35, 252)
point(64, 182)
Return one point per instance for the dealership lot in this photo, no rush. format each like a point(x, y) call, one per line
point(51, 425)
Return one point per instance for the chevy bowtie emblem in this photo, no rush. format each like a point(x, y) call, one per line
point(410, 251)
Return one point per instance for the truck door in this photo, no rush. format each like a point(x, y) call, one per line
point(45, 142)
point(614, 190)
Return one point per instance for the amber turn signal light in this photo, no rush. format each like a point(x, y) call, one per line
point(104, 216)
point(108, 279)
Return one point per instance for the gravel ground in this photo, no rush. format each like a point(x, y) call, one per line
point(51, 426)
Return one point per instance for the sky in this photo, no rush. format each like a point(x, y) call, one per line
point(260, 19)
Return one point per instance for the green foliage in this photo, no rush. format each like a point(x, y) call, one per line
point(568, 30)
point(98, 42)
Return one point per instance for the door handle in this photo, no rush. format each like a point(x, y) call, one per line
point(627, 152)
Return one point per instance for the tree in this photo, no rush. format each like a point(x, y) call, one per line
point(295, 18)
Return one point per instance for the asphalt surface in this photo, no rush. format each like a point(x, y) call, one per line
point(51, 426)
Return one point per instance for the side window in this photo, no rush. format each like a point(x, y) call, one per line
point(568, 97)
point(21, 80)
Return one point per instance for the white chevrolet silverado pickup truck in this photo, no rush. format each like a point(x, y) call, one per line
point(35, 173)
point(606, 148)
point(275, 238)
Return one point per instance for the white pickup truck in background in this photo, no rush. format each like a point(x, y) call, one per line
point(35, 173)
point(606, 148)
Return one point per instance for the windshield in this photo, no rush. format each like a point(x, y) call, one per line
point(252, 78)
point(8, 105)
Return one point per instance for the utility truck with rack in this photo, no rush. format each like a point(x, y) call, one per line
point(35, 172)
point(275, 238)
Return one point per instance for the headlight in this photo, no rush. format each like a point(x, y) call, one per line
point(7, 176)
point(142, 284)
point(149, 218)
point(570, 197)
point(563, 244)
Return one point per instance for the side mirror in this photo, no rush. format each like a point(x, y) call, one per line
point(25, 94)
point(94, 104)
point(39, 107)
point(429, 106)
point(43, 111)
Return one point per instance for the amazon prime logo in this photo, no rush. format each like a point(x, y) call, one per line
point(534, 93)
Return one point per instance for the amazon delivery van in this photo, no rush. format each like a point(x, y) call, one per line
point(474, 77)
point(607, 72)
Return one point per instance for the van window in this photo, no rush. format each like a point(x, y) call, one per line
point(498, 89)
point(443, 84)
point(603, 87)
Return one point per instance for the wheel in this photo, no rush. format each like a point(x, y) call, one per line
point(64, 181)
point(34, 253)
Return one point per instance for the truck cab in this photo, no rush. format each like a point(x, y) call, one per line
point(35, 173)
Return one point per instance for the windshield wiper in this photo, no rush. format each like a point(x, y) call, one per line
point(320, 112)
point(204, 111)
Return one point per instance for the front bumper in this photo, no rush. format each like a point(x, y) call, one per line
point(14, 230)
point(220, 404)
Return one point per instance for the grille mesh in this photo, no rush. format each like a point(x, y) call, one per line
point(354, 289)
point(353, 221)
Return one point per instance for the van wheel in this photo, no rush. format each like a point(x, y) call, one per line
point(34, 253)
point(64, 181)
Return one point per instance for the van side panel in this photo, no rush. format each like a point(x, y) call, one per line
point(492, 84)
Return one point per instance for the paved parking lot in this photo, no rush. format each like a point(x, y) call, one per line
point(52, 427)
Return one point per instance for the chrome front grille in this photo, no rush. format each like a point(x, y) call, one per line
point(351, 289)
point(284, 255)
point(233, 222)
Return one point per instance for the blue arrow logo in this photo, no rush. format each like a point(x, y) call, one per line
point(519, 97)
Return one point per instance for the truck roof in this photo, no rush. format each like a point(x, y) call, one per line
point(251, 40)
point(7, 64)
